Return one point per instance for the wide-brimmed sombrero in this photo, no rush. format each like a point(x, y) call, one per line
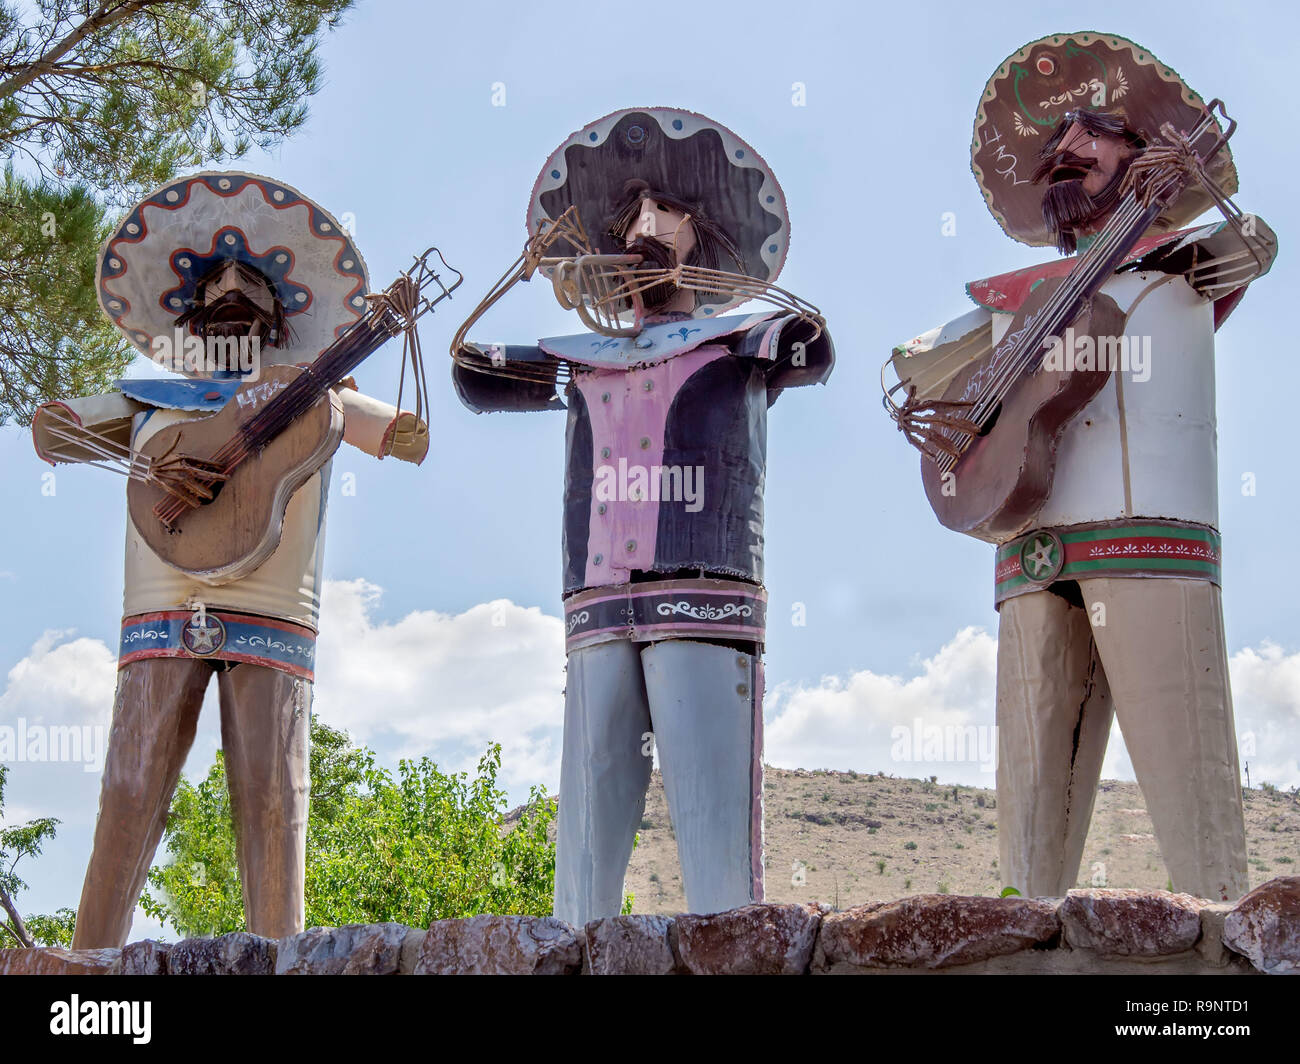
point(149, 268)
point(1031, 90)
point(678, 153)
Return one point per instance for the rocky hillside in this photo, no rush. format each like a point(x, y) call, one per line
point(844, 839)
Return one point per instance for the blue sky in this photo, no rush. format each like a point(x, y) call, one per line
point(455, 566)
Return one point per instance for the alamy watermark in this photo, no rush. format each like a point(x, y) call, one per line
point(53, 743)
point(656, 483)
point(1085, 353)
point(183, 352)
point(970, 743)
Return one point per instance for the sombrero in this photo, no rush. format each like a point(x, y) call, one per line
point(1030, 92)
point(149, 268)
point(675, 152)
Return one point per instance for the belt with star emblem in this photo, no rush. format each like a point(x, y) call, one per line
point(220, 635)
point(1106, 549)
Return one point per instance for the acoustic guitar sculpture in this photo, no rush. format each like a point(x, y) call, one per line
point(208, 495)
point(989, 443)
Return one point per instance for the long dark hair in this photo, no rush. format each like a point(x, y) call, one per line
point(712, 244)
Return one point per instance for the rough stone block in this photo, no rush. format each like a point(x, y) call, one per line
point(1264, 926)
point(752, 940)
point(354, 949)
point(1131, 923)
point(238, 953)
point(148, 957)
point(934, 931)
point(630, 945)
point(500, 945)
point(54, 960)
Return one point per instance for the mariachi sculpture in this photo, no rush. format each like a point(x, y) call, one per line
point(1070, 420)
point(667, 399)
point(260, 298)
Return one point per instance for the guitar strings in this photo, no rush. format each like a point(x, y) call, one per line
point(1107, 244)
point(300, 394)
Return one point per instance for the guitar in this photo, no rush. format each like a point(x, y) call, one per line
point(208, 495)
point(989, 443)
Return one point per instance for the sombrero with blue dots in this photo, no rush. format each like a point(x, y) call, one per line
point(679, 153)
point(149, 268)
point(1031, 91)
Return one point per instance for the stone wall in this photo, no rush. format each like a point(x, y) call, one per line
point(1088, 931)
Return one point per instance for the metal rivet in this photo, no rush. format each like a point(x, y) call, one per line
point(601, 508)
point(598, 559)
point(605, 398)
point(643, 342)
point(742, 689)
point(649, 386)
point(645, 443)
point(742, 661)
point(636, 493)
point(604, 452)
point(631, 545)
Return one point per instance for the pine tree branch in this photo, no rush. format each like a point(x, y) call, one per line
point(106, 16)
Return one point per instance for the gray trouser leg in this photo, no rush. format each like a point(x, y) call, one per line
point(603, 779)
point(706, 707)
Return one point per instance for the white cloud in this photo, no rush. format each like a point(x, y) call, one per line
point(863, 721)
point(445, 685)
point(1266, 705)
point(851, 723)
point(61, 680)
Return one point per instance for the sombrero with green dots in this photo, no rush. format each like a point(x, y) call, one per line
point(1031, 90)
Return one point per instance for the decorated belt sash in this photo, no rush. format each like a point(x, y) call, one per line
point(665, 609)
point(221, 636)
point(1110, 549)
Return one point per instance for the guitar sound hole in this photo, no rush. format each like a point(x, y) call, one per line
point(990, 421)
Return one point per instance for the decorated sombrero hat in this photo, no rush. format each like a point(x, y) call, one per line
point(1030, 92)
point(678, 153)
point(150, 267)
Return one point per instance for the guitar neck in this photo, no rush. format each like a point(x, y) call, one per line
point(1111, 247)
point(345, 354)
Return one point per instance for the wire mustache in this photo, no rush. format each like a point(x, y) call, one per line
point(607, 292)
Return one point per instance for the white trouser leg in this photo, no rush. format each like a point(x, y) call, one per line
point(603, 779)
point(705, 705)
point(1054, 713)
point(1163, 648)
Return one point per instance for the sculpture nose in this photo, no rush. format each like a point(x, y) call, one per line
point(644, 225)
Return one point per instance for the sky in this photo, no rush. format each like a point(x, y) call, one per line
point(440, 620)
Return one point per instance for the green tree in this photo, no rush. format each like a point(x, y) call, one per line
point(415, 847)
point(99, 102)
point(16, 842)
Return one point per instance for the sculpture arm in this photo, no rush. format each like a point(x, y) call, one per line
point(78, 430)
point(379, 429)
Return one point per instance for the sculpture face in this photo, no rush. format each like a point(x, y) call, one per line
point(1100, 157)
point(235, 301)
point(666, 224)
point(664, 236)
point(1084, 169)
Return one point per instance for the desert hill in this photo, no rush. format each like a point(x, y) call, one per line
point(845, 838)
